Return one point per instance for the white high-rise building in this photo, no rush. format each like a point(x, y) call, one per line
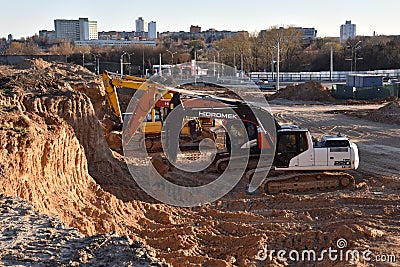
point(152, 30)
point(93, 33)
point(76, 30)
point(140, 25)
point(347, 31)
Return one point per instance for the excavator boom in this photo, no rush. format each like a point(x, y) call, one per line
point(112, 83)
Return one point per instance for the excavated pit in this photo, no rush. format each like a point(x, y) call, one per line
point(54, 154)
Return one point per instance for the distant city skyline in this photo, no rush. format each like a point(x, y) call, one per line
point(26, 18)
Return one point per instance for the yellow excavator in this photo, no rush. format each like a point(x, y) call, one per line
point(112, 83)
point(153, 121)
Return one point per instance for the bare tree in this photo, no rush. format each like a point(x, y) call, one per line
point(232, 49)
point(62, 49)
point(290, 44)
point(24, 48)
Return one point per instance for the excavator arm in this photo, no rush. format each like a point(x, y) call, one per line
point(112, 83)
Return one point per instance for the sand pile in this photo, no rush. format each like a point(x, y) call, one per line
point(309, 91)
point(391, 108)
point(33, 64)
point(389, 113)
point(50, 78)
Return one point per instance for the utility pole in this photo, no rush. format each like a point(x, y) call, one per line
point(352, 57)
point(219, 64)
point(331, 73)
point(159, 68)
point(356, 58)
point(214, 66)
point(122, 63)
point(234, 60)
point(277, 69)
point(354, 49)
point(142, 60)
point(241, 65)
point(272, 64)
point(98, 65)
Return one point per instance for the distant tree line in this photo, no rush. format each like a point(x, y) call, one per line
point(253, 52)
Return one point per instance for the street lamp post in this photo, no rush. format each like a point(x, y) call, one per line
point(122, 62)
point(356, 58)
point(234, 58)
point(272, 64)
point(96, 63)
point(143, 61)
point(172, 56)
point(241, 65)
point(130, 64)
point(159, 68)
point(219, 64)
point(277, 66)
point(354, 49)
point(214, 66)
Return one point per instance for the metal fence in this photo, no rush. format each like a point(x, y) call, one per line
point(17, 59)
point(337, 76)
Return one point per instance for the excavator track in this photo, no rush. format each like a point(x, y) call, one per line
point(277, 182)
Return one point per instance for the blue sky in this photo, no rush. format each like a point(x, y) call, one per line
point(25, 18)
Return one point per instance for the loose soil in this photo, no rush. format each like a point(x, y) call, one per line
point(388, 113)
point(54, 155)
point(309, 91)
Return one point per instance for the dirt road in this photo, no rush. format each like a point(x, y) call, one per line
point(236, 227)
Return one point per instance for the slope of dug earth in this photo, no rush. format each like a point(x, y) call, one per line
point(43, 161)
point(49, 133)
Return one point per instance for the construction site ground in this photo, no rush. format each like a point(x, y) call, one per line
point(55, 163)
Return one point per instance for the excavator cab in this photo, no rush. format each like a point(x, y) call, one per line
point(290, 144)
point(153, 121)
point(244, 137)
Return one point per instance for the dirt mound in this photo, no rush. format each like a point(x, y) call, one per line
point(309, 91)
point(33, 64)
point(6, 71)
point(389, 113)
point(391, 108)
point(44, 77)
